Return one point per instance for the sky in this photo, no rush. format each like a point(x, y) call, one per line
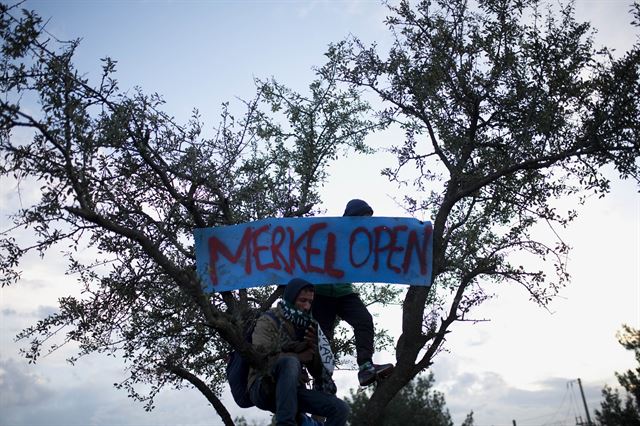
point(521, 364)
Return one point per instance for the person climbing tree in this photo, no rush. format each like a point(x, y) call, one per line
point(341, 300)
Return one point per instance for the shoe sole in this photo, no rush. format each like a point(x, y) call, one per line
point(368, 382)
point(383, 374)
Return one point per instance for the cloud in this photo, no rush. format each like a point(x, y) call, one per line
point(44, 311)
point(15, 319)
point(41, 311)
point(19, 387)
point(8, 312)
point(489, 395)
point(57, 394)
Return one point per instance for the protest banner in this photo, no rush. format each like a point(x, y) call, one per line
point(321, 250)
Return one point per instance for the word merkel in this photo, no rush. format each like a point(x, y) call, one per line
point(321, 250)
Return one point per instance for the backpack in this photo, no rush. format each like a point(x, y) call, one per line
point(238, 366)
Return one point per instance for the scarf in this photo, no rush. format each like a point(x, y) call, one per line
point(302, 320)
point(295, 316)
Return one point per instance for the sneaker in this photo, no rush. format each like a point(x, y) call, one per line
point(383, 370)
point(367, 374)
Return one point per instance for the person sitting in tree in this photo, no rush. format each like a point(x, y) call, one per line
point(293, 347)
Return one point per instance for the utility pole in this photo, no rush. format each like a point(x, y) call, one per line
point(584, 401)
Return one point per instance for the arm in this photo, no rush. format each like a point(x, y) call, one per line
point(266, 336)
point(313, 360)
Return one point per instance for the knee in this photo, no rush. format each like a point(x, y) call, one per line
point(287, 365)
point(367, 317)
point(364, 320)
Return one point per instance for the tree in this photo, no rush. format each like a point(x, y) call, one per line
point(468, 421)
point(612, 412)
point(629, 338)
point(416, 404)
point(505, 106)
point(123, 185)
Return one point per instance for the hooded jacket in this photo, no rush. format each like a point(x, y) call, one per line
point(275, 340)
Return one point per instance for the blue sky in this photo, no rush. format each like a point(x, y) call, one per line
point(198, 54)
point(201, 53)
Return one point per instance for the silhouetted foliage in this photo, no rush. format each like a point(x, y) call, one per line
point(614, 411)
point(122, 185)
point(416, 404)
point(505, 107)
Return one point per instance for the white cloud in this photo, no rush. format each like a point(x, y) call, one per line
point(20, 388)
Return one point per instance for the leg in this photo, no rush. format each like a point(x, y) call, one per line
point(286, 373)
point(355, 313)
point(261, 394)
point(322, 404)
point(324, 311)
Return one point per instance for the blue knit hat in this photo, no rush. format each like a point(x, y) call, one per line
point(294, 287)
point(357, 207)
